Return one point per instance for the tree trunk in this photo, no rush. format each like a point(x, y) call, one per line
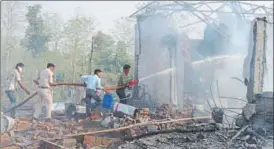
point(90, 58)
point(7, 61)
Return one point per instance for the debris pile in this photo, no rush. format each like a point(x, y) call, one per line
point(163, 112)
point(93, 141)
point(259, 114)
point(167, 111)
point(248, 138)
point(195, 136)
point(28, 132)
point(167, 128)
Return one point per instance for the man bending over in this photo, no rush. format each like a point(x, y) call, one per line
point(12, 80)
point(93, 84)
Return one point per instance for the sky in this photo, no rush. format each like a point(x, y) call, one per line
point(105, 12)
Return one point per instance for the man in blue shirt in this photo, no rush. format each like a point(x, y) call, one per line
point(93, 83)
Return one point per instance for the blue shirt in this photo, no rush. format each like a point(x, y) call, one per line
point(92, 81)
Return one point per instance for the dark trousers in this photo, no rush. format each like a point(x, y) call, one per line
point(91, 104)
point(12, 98)
point(122, 95)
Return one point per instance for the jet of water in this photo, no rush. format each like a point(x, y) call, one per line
point(215, 58)
point(157, 73)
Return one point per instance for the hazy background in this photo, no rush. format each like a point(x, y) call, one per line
point(106, 12)
point(70, 25)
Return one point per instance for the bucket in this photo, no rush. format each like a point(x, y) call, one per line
point(11, 123)
point(126, 109)
point(107, 101)
point(7, 123)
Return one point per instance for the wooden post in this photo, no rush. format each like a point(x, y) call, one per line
point(91, 55)
point(21, 103)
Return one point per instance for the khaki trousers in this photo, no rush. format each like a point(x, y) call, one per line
point(45, 99)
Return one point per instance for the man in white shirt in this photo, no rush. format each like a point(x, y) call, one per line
point(11, 82)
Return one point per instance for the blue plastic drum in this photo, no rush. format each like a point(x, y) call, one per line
point(107, 101)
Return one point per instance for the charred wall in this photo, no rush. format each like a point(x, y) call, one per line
point(156, 52)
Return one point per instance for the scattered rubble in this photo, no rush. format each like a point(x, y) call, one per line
point(30, 131)
point(217, 115)
point(259, 114)
point(249, 111)
point(186, 134)
point(218, 139)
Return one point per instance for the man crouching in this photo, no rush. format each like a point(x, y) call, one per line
point(93, 85)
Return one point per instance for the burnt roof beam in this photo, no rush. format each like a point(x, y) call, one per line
point(175, 7)
point(190, 8)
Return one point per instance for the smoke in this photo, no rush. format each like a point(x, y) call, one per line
point(156, 58)
point(154, 66)
point(268, 80)
point(230, 64)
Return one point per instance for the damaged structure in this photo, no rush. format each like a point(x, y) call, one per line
point(166, 76)
point(161, 35)
point(259, 109)
point(171, 111)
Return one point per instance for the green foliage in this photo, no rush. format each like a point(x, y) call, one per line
point(54, 29)
point(104, 51)
point(35, 37)
point(77, 36)
point(110, 55)
point(68, 45)
point(11, 14)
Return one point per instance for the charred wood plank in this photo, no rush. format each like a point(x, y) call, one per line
point(50, 145)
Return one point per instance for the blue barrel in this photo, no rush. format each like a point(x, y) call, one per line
point(107, 101)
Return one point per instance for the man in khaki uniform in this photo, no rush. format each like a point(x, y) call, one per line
point(11, 82)
point(44, 82)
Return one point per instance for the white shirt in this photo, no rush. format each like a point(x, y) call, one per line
point(93, 81)
point(11, 80)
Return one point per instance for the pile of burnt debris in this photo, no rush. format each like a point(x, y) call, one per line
point(258, 113)
point(254, 130)
point(166, 128)
point(203, 135)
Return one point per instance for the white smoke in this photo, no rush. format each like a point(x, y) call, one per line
point(268, 79)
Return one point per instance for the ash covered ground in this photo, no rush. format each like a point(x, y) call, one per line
point(198, 140)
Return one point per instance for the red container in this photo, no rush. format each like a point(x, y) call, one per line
point(132, 82)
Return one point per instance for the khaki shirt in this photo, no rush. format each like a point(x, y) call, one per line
point(11, 81)
point(45, 77)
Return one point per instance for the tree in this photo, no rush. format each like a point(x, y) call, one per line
point(77, 42)
point(11, 26)
point(54, 29)
point(111, 55)
point(35, 35)
point(122, 56)
point(125, 31)
point(104, 51)
point(124, 35)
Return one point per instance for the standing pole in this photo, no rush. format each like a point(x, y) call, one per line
point(91, 55)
